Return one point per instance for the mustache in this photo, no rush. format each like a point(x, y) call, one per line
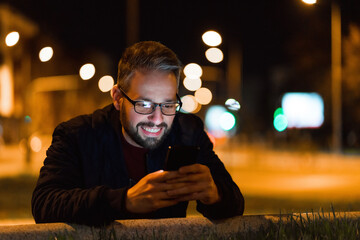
point(151, 124)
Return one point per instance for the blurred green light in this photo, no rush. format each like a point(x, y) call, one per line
point(278, 111)
point(27, 119)
point(280, 122)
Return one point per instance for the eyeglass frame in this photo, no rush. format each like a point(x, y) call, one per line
point(133, 102)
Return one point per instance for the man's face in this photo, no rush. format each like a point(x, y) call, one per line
point(148, 131)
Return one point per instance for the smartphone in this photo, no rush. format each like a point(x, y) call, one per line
point(180, 155)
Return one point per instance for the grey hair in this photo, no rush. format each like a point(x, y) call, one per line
point(147, 56)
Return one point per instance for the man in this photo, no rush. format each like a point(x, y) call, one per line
point(109, 165)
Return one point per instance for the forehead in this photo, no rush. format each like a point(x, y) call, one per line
point(156, 86)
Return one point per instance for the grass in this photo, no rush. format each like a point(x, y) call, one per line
point(258, 205)
point(313, 226)
point(274, 205)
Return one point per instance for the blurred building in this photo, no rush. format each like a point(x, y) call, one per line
point(35, 96)
point(15, 71)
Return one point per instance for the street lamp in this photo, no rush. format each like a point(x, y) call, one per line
point(309, 1)
point(335, 74)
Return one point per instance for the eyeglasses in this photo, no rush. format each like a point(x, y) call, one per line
point(148, 107)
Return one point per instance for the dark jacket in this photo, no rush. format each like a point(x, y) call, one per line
point(84, 178)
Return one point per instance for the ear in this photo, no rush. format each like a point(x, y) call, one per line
point(116, 95)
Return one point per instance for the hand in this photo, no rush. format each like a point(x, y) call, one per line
point(197, 184)
point(150, 193)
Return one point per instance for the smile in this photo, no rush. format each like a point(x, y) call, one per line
point(151, 130)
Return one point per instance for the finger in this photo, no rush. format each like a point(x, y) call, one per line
point(163, 196)
point(162, 176)
point(192, 177)
point(204, 197)
point(169, 186)
point(188, 189)
point(167, 203)
point(178, 180)
point(194, 168)
point(188, 197)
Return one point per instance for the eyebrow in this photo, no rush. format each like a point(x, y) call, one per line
point(149, 100)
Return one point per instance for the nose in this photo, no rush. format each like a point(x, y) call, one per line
point(156, 117)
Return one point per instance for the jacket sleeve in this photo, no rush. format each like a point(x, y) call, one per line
point(232, 201)
point(60, 195)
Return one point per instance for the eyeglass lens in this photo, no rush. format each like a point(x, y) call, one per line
point(149, 107)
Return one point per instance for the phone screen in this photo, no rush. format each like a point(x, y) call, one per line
point(180, 155)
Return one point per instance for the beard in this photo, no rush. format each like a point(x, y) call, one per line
point(133, 132)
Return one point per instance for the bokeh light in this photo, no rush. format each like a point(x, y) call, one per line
point(303, 110)
point(227, 121)
point(87, 71)
point(280, 122)
point(212, 118)
point(46, 54)
point(27, 119)
point(309, 1)
point(12, 38)
point(193, 71)
point(197, 109)
point(212, 38)
point(192, 84)
point(106, 83)
point(214, 55)
point(35, 144)
point(278, 111)
point(190, 104)
point(6, 91)
point(203, 96)
point(232, 104)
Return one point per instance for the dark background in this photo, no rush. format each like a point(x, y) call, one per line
point(285, 45)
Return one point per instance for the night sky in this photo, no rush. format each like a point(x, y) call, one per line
point(263, 28)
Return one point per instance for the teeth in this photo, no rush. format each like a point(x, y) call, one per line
point(152, 130)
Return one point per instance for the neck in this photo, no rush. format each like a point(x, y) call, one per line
point(129, 139)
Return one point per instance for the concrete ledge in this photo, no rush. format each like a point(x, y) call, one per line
point(177, 228)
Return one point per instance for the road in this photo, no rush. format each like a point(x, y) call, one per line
point(259, 172)
point(266, 172)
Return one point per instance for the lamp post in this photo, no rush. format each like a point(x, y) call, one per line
point(336, 74)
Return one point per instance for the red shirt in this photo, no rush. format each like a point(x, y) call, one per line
point(135, 159)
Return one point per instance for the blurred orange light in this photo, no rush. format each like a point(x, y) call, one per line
point(203, 96)
point(87, 71)
point(35, 144)
point(106, 83)
point(192, 84)
point(46, 54)
point(190, 104)
point(12, 39)
point(6, 91)
point(214, 55)
point(212, 38)
point(193, 71)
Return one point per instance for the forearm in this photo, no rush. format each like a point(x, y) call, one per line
point(81, 206)
point(231, 203)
